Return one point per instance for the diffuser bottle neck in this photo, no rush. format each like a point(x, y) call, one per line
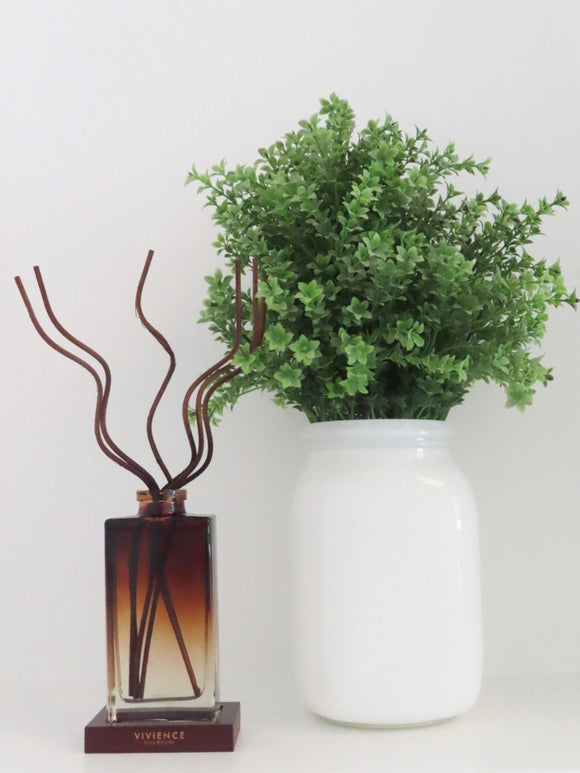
point(167, 502)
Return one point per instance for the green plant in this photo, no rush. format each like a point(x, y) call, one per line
point(389, 292)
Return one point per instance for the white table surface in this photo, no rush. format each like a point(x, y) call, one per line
point(520, 724)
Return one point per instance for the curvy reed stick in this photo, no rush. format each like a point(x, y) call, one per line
point(101, 433)
point(143, 474)
point(185, 404)
point(163, 341)
point(258, 310)
point(204, 412)
point(223, 372)
point(206, 384)
point(202, 427)
point(214, 382)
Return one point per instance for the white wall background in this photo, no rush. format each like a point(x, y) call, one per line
point(104, 107)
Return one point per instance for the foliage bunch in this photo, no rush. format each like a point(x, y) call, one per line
point(389, 292)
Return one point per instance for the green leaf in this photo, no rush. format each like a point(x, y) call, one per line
point(288, 377)
point(277, 338)
point(249, 362)
point(356, 381)
point(358, 310)
point(519, 396)
point(309, 293)
point(305, 350)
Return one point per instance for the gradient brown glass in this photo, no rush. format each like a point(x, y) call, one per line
point(161, 623)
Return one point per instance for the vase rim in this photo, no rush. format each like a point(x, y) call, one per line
point(164, 494)
point(166, 502)
point(416, 432)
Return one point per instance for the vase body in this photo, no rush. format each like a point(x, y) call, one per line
point(386, 575)
point(161, 617)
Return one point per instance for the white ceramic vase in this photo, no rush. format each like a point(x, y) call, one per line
point(386, 578)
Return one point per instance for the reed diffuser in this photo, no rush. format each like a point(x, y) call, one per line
point(162, 658)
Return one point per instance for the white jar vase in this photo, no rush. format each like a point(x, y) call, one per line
point(386, 577)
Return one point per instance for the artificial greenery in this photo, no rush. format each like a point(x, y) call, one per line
point(389, 292)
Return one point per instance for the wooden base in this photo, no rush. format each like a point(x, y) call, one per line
point(135, 736)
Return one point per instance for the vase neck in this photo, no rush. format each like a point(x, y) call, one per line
point(380, 433)
point(162, 504)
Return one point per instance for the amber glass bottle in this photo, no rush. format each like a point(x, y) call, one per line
point(161, 622)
